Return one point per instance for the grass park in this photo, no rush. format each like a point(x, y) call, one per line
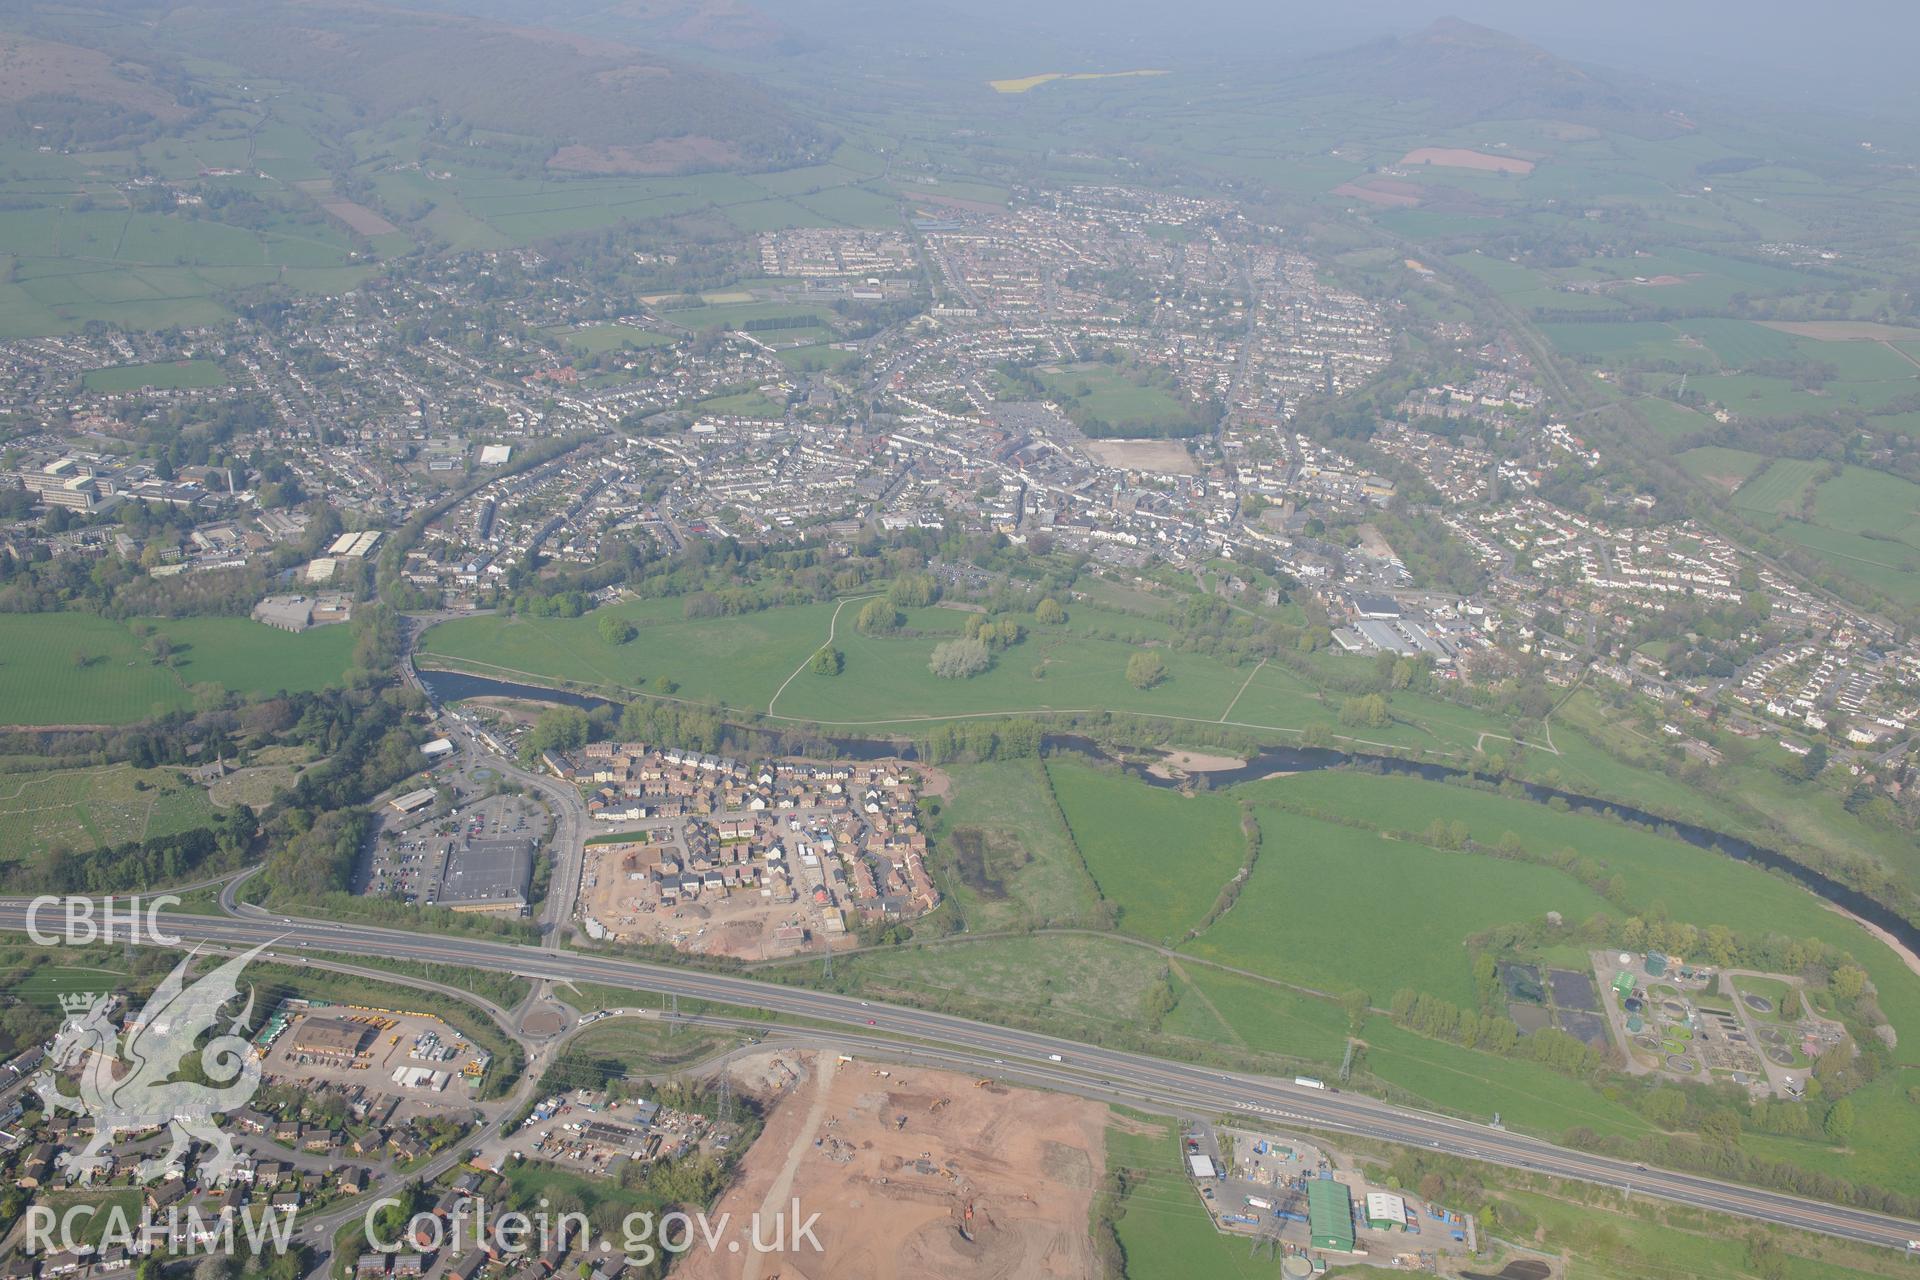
point(597, 338)
point(746, 661)
point(743, 404)
point(1093, 393)
point(172, 376)
point(75, 668)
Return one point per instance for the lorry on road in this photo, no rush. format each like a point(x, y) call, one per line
point(1308, 1082)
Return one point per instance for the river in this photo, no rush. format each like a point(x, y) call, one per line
point(454, 686)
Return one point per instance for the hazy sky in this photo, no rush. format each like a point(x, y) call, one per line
point(1860, 50)
point(1856, 53)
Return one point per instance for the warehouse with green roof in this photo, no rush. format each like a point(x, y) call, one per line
point(1330, 1215)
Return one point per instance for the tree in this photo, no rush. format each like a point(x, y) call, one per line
point(616, 630)
point(1146, 669)
point(1812, 763)
point(913, 591)
point(1665, 1107)
point(1368, 712)
point(959, 659)
point(1048, 613)
point(1849, 981)
point(827, 661)
point(877, 618)
point(558, 729)
point(1840, 1120)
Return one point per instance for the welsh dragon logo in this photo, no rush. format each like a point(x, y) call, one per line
point(137, 1091)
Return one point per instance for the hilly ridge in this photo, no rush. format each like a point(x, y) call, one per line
point(626, 109)
point(1465, 73)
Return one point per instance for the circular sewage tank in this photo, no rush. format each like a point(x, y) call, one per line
point(1635, 1024)
point(1633, 1004)
point(1297, 1267)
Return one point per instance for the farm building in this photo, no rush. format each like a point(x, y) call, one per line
point(1330, 1215)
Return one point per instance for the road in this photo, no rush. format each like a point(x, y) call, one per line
point(1141, 1080)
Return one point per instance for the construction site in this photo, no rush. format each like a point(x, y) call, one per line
point(913, 1173)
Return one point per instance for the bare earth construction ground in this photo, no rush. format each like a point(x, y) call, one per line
point(893, 1199)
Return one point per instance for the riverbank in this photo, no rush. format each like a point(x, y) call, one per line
point(454, 686)
point(1907, 955)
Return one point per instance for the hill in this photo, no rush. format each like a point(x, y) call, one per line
point(599, 105)
point(1466, 73)
point(68, 95)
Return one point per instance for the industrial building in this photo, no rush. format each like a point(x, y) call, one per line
point(414, 801)
point(334, 1039)
point(1330, 1215)
point(485, 875)
point(1368, 604)
point(357, 545)
point(1386, 1211)
point(297, 613)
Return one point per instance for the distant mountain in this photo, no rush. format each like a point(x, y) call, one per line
point(1465, 73)
point(63, 95)
point(724, 26)
point(594, 105)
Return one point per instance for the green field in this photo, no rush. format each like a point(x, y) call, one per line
point(1161, 858)
point(48, 982)
point(1335, 908)
point(1865, 524)
point(1726, 469)
point(1338, 907)
point(86, 809)
point(75, 668)
point(1779, 489)
point(1696, 886)
point(249, 657)
point(76, 249)
point(179, 374)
